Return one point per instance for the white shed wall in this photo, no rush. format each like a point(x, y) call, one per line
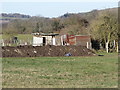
point(37, 41)
point(54, 43)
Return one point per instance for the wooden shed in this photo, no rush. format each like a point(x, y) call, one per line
point(41, 39)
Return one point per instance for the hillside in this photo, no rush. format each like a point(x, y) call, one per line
point(5, 16)
point(71, 23)
point(92, 14)
point(87, 15)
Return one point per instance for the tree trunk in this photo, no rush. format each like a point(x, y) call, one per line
point(101, 47)
point(114, 44)
point(107, 49)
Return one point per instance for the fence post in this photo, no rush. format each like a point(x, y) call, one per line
point(87, 45)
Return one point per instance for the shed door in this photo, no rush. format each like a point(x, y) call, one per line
point(44, 41)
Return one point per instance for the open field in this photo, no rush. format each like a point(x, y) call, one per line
point(20, 36)
point(61, 72)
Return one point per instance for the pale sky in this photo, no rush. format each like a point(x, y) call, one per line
point(54, 9)
point(59, 0)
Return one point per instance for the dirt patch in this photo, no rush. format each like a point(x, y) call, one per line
point(37, 51)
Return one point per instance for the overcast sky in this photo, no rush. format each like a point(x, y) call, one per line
point(54, 9)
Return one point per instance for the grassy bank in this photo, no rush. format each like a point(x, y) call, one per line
point(61, 72)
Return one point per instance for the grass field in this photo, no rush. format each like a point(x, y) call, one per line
point(61, 72)
point(20, 36)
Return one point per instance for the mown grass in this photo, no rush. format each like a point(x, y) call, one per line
point(61, 72)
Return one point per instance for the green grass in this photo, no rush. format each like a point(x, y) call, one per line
point(61, 72)
point(24, 37)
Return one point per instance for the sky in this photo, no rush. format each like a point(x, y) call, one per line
point(53, 9)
